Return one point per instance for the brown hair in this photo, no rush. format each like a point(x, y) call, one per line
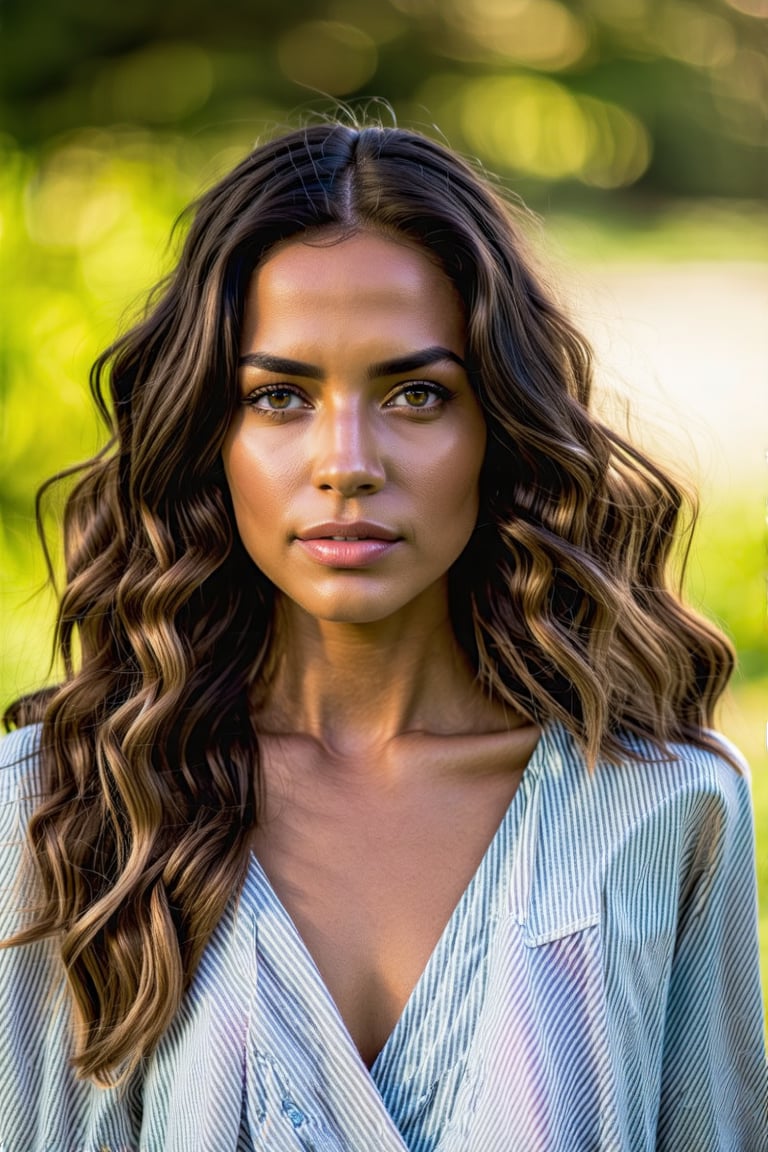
point(149, 754)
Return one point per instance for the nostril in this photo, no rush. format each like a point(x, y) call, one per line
point(348, 486)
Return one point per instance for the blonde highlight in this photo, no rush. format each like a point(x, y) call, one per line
point(563, 599)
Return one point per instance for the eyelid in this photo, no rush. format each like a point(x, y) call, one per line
point(440, 391)
point(266, 389)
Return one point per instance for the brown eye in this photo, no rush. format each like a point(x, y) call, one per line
point(420, 397)
point(417, 397)
point(276, 400)
point(279, 399)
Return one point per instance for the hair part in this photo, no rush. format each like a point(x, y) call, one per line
point(562, 599)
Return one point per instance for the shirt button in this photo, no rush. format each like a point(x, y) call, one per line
point(293, 1112)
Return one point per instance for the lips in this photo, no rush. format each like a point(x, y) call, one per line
point(354, 531)
point(355, 544)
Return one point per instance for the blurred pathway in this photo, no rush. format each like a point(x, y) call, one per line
point(687, 346)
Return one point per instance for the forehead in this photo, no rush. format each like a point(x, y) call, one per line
point(367, 278)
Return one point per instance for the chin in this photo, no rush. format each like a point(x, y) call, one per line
point(350, 611)
point(361, 602)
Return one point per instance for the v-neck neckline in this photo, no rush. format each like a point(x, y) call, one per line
point(510, 813)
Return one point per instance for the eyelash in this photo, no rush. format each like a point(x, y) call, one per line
point(439, 391)
point(269, 390)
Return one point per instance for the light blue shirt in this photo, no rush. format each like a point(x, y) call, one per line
point(595, 990)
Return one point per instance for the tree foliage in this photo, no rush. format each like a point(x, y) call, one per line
point(669, 96)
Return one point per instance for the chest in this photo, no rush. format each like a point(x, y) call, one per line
point(371, 879)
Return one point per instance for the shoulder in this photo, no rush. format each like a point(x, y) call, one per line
point(19, 747)
point(19, 763)
point(20, 792)
point(19, 756)
point(681, 782)
point(602, 838)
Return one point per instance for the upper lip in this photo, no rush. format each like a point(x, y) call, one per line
point(361, 529)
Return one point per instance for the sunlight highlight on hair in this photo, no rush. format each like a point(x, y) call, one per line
point(563, 598)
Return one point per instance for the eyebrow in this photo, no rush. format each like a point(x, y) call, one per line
point(280, 365)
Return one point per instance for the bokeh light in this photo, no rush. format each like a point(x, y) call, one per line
point(758, 8)
point(534, 125)
point(106, 198)
point(688, 33)
point(537, 33)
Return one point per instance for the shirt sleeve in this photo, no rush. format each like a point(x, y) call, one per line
point(714, 1086)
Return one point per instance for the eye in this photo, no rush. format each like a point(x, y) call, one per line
point(420, 395)
point(276, 399)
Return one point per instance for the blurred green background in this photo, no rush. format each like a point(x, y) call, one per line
point(636, 130)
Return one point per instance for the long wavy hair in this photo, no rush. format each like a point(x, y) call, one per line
point(562, 600)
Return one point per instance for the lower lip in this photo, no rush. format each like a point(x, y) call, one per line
point(347, 553)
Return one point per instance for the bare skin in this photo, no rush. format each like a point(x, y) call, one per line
point(371, 854)
point(386, 769)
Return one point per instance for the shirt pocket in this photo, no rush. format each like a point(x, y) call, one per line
point(538, 1071)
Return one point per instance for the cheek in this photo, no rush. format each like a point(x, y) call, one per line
point(259, 478)
point(239, 475)
point(454, 483)
point(252, 489)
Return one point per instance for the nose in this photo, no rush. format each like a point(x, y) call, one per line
point(347, 455)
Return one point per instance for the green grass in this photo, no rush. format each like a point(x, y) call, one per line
point(744, 720)
point(703, 230)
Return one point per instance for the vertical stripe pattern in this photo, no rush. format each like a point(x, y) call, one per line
point(595, 990)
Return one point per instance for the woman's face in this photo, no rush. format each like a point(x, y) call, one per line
point(354, 458)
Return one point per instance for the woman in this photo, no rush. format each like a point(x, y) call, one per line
point(378, 808)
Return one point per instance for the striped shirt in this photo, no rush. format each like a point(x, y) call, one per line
point(595, 990)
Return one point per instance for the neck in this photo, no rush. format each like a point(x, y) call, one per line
point(354, 688)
